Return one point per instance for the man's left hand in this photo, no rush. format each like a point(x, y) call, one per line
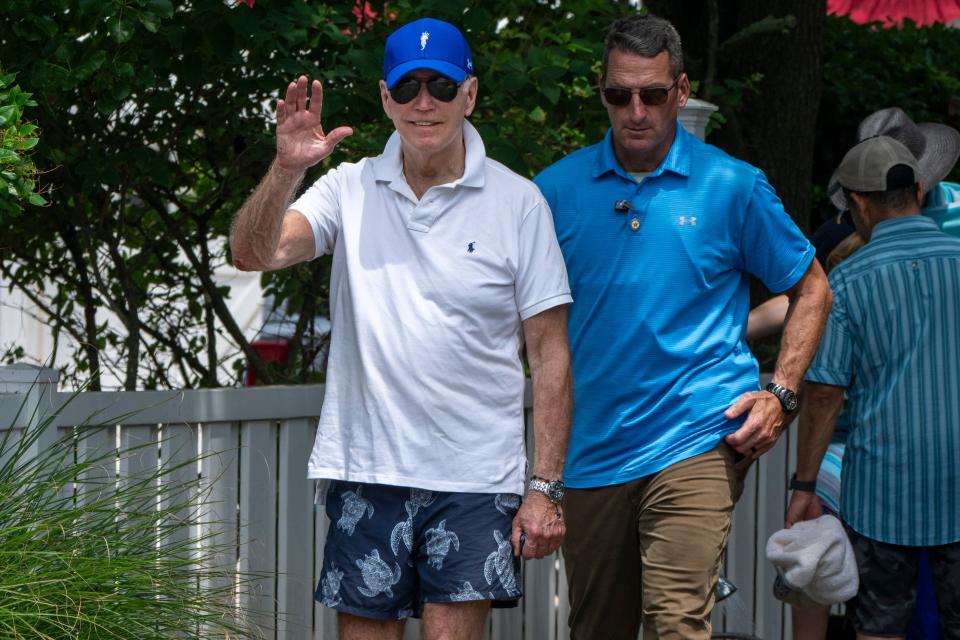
point(804, 505)
point(542, 522)
point(765, 420)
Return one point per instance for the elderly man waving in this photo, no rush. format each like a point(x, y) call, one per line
point(444, 263)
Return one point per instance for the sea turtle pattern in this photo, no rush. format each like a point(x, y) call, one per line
point(422, 497)
point(377, 575)
point(403, 530)
point(354, 506)
point(506, 503)
point(499, 565)
point(439, 541)
point(466, 594)
point(331, 587)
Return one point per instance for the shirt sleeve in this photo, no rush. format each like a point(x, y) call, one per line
point(772, 247)
point(541, 280)
point(833, 363)
point(320, 205)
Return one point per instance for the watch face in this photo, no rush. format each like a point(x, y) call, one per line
point(555, 489)
point(786, 397)
point(790, 401)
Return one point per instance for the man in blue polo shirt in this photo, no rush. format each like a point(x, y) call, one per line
point(891, 344)
point(661, 234)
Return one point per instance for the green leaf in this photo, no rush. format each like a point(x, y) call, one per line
point(120, 92)
point(7, 114)
point(551, 92)
point(91, 65)
point(150, 22)
point(36, 199)
point(46, 25)
point(121, 31)
point(89, 6)
point(538, 115)
point(163, 8)
point(7, 156)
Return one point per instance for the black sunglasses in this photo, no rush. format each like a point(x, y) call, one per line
point(650, 96)
point(442, 88)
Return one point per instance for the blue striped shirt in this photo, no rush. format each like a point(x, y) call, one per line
point(893, 340)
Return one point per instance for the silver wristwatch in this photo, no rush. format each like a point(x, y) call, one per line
point(553, 489)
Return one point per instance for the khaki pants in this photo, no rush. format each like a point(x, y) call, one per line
point(649, 550)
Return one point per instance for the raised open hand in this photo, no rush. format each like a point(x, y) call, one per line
point(301, 142)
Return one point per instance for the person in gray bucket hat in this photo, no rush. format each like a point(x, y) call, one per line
point(935, 146)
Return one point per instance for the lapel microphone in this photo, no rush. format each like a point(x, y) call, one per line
point(622, 206)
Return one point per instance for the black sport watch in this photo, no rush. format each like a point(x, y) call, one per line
point(787, 397)
point(810, 486)
point(553, 489)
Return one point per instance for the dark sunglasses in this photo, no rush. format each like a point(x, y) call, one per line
point(442, 88)
point(650, 96)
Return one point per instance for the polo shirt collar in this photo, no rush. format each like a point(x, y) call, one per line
point(677, 160)
point(902, 225)
point(388, 167)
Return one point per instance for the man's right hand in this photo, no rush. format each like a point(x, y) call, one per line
point(301, 142)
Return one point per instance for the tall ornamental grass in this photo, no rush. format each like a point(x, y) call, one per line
point(84, 555)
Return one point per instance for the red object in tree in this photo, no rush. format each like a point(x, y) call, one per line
point(269, 351)
point(893, 12)
point(365, 15)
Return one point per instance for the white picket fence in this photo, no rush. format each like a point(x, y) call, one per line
point(258, 441)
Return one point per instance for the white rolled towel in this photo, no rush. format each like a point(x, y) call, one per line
point(815, 563)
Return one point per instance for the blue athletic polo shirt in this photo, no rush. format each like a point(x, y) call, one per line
point(661, 296)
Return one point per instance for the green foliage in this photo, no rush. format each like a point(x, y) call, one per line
point(85, 557)
point(867, 68)
point(18, 174)
point(159, 118)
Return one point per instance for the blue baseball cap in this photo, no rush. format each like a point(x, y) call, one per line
point(427, 44)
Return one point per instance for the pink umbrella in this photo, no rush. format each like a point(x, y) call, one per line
point(891, 12)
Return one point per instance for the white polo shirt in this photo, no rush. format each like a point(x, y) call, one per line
point(424, 382)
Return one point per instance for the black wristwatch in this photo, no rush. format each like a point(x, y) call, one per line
point(553, 489)
point(787, 397)
point(810, 486)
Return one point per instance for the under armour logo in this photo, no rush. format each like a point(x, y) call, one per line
point(692, 220)
point(423, 40)
point(469, 64)
point(471, 247)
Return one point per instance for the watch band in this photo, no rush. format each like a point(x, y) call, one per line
point(552, 489)
point(787, 397)
point(809, 486)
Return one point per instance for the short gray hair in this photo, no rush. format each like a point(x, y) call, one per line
point(645, 35)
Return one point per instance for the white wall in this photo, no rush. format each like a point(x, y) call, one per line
point(22, 324)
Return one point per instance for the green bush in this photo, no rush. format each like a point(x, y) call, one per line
point(85, 556)
point(17, 172)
